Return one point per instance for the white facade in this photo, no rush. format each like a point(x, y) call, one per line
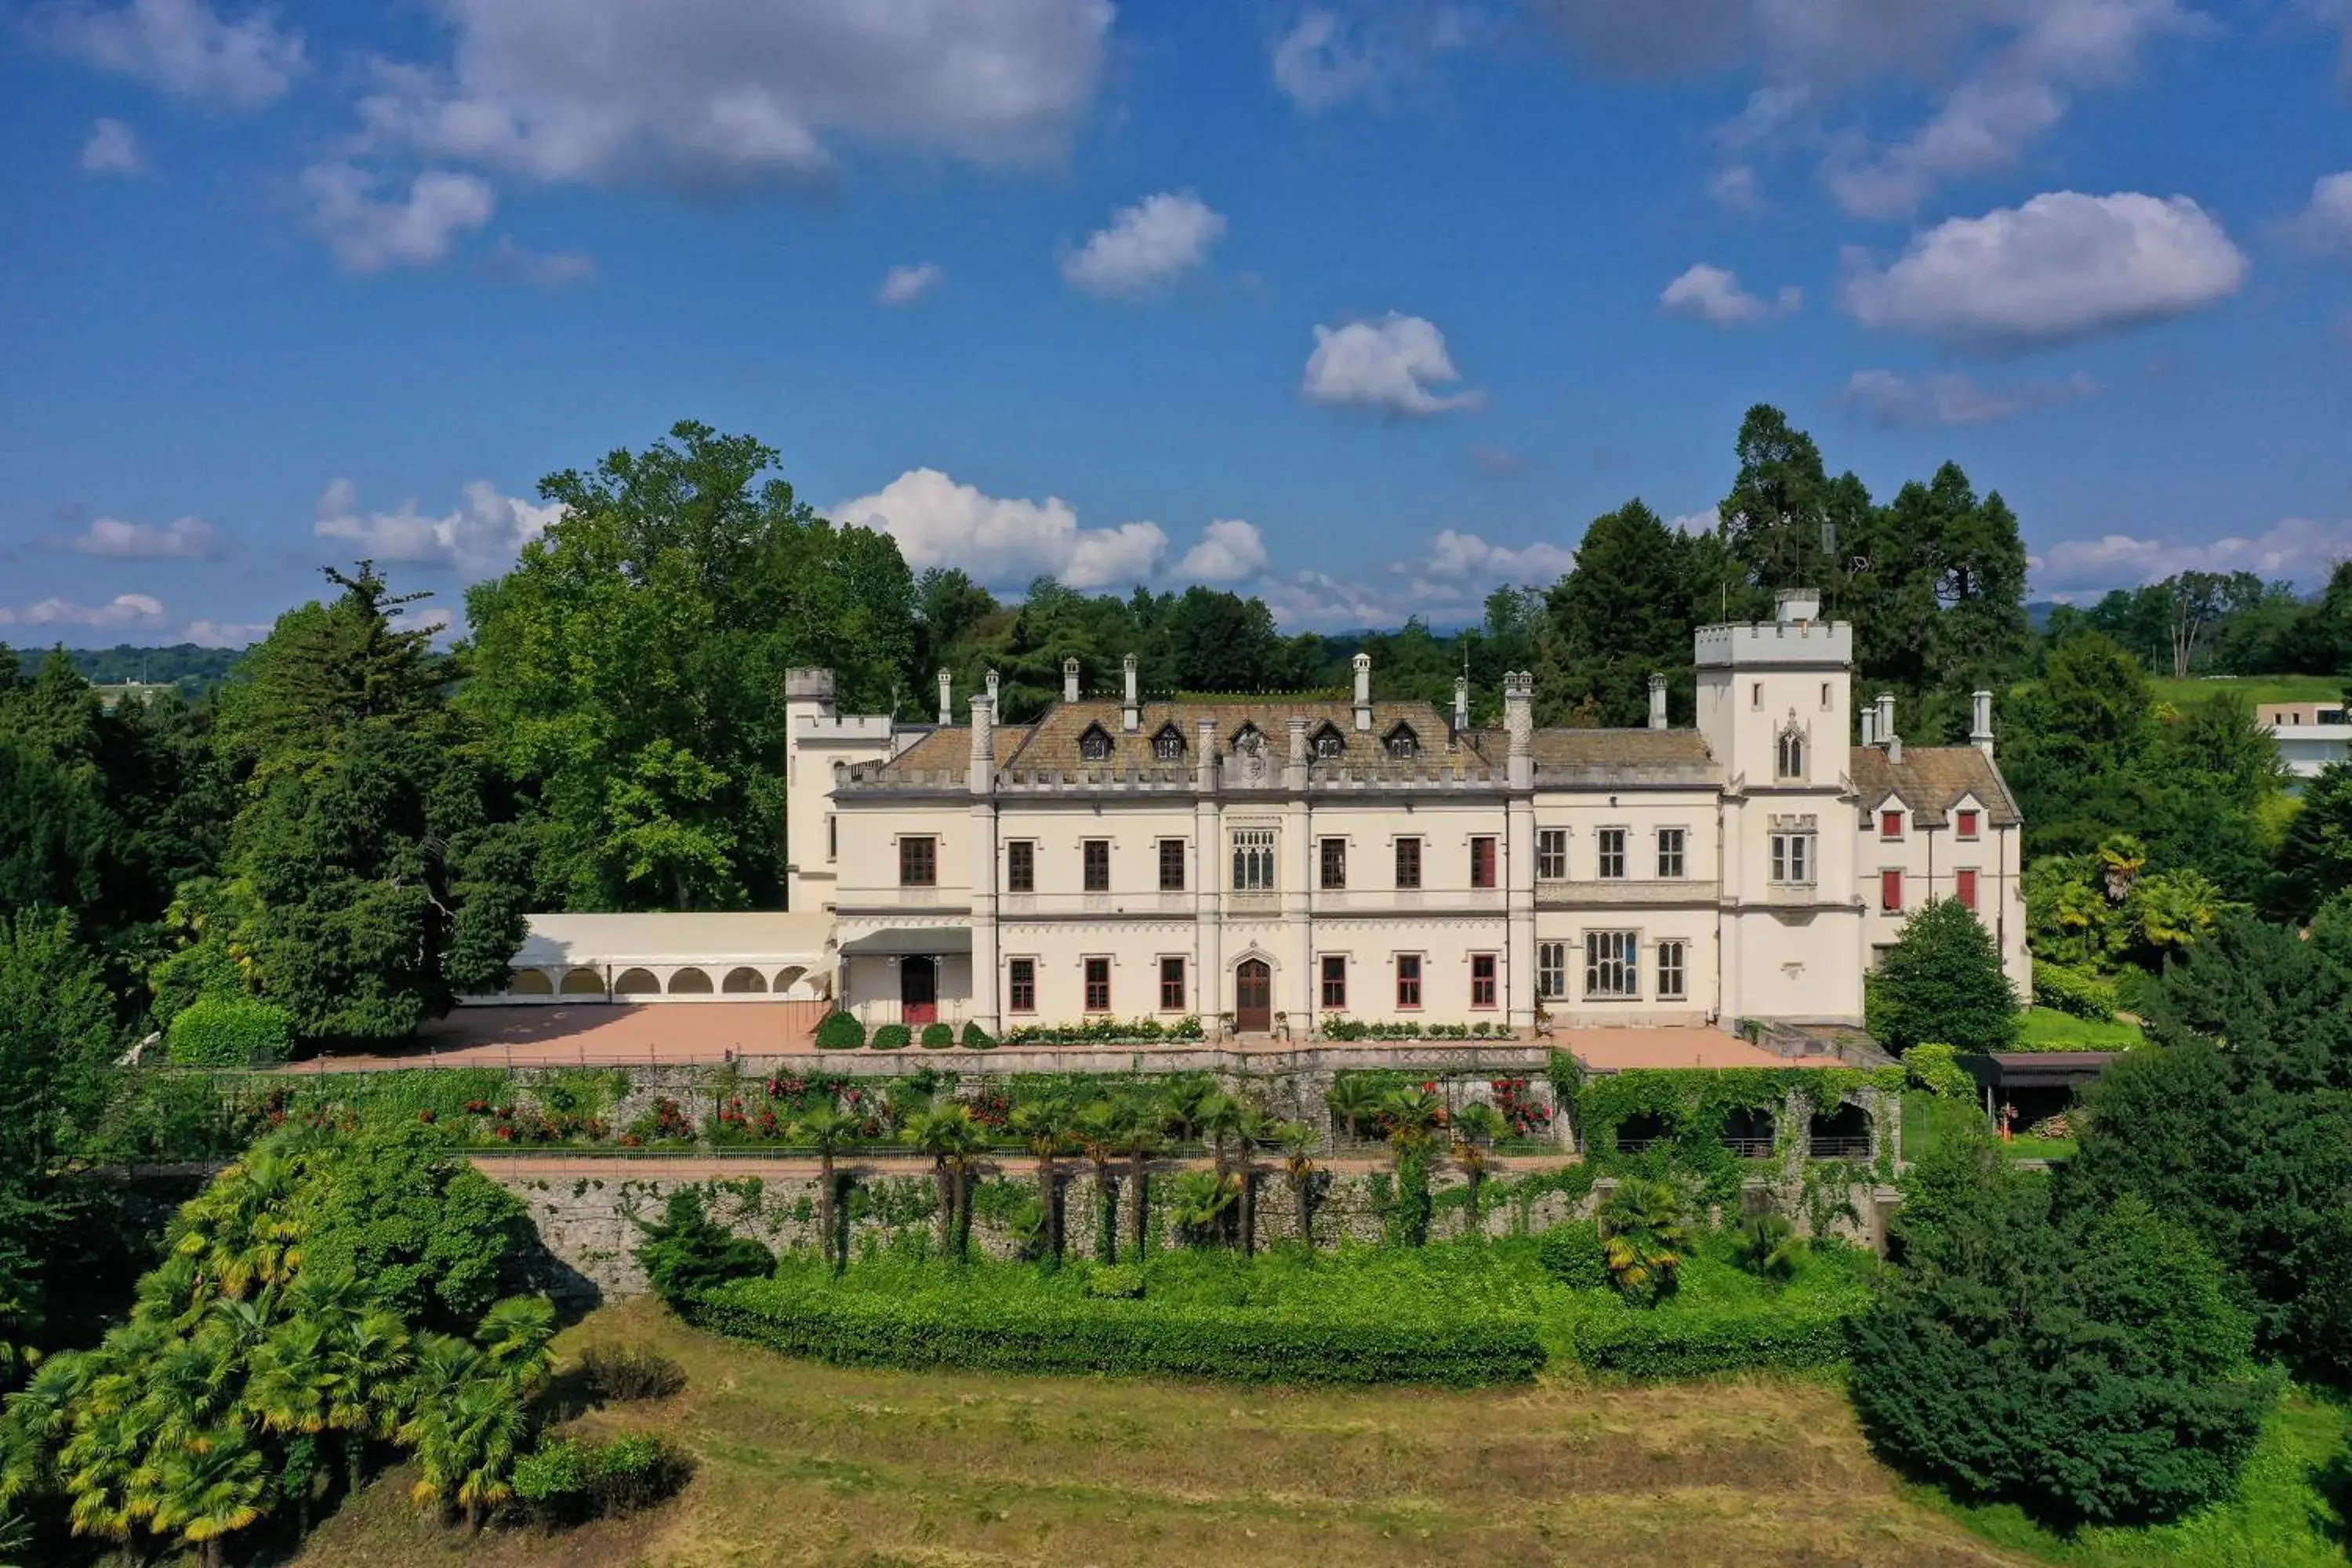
point(2309, 735)
point(1280, 860)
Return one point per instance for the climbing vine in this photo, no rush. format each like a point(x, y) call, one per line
point(1693, 1108)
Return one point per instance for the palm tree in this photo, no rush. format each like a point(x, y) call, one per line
point(372, 1357)
point(2122, 857)
point(1475, 1128)
point(1186, 1100)
point(1354, 1101)
point(1222, 1118)
point(1644, 1234)
point(288, 1377)
point(930, 1130)
point(1199, 1204)
point(829, 1130)
point(1043, 1126)
point(1767, 1246)
point(210, 1492)
point(1254, 1127)
point(1299, 1144)
point(1139, 1139)
point(468, 1418)
point(515, 1337)
point(1097, 1126)
point(967, 1143)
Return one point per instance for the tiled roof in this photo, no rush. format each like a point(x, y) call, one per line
point(1620, 749)
point(1931, 779)
point(1054, 742)
point(949, 749)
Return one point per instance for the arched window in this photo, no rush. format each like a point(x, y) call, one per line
point(585, 983)
point(689, 981)
point(1402, 742)
point(1330, 743)
point(743, 979)
point(1094, 746)
point(529, 983)
point(1792, 760)
point(635, 983)
point(1168, 746)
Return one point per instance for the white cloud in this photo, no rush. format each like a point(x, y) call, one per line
point(182, 539)
point(1713, 294)
point(701, 93)
point(1321, 63)
point(368, 235)
point(225, 633)
point(905, 285)
point(181, 46)
point(1311, 598)
point(124, 612)
point(1230, 550)
point(2325, 226)
point(1003, 541)
point(2065, 265)
point(1706, 521)
point(481, 536)
point(1159, 239)
point(112, 149)
point(1458, 556)
point(2298, 549)
point(1893, 400)
point(1390, 365)
point(2018, 93)
point(540, 269)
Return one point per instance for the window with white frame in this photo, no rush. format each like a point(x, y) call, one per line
point(1552, 854)
point(1672, 973)
point(1253, 859)
point(1168, 746)
point(1609, 846)
point(1792, 858)
point(1551, 971)
point(1670, 852)
point(1789, 760)
point(1612, 964)
point(1094, 746)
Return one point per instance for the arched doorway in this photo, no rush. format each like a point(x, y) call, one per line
point(1253, 996)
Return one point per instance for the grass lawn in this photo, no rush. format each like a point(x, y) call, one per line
point(2047, 1029)
point(801, 1463)
point(2252, 688)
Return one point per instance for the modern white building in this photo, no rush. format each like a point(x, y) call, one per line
point(2309, 735)
point(1279, 862)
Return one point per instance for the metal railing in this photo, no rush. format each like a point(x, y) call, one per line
point(1841, 1147)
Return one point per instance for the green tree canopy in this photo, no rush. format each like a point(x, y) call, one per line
point(1942, 982)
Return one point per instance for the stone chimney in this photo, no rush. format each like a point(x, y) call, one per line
point(1070, 680)
point(1869, 728)
point(1460, 704)
point(1980, 731)
point(1293, 772)
point(1204, 763)
point(1886, 735)
point(1795, 606)
point(1132, 720)
point(1657, 702)
point(946, 698)
point(1520, 722)
point(983, 740)
point(992, 692)
point(1363, 662)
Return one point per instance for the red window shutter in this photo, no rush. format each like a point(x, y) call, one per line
point(1890, 889)
point(1968, 889)
point(1890, 825)
point(1967, 823)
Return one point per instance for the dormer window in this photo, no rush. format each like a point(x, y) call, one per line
point(1789, 758)
point(1168, 746)
point(1249, 741)
point(1402, 742)
point(1330, 743)
point(1094, 746)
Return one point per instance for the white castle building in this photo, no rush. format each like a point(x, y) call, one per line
point(1274, 859)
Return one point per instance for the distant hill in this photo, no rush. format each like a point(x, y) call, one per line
point(186, 666)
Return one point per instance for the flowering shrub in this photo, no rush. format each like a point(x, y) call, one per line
point(666, 1122)
point(1515, 1102)
point(1102, 1031)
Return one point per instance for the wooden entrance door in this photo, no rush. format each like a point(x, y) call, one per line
point(919, 990)
point(1253, 996)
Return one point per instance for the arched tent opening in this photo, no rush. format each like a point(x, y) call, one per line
point(1748, 1132)
point(636, 983)
point(689, 981)
point(1840, 1132)
point(529, 983)
point(788, 978)
point(740, 979)
point(1642, 1131)
point(584, 983)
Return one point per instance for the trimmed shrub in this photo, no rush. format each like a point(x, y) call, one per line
point(937, 1036)
point(892, 1038)
point(552, 1482)
point(2073, 993)
point(1115, 1282)
point(1936, 1069)
point(686, 1251)
point(1681, 1343)
point(618, 1373)
point(1942, 980)
point(230, 1032)
point(1121, 1336)
point(633, 1473)
point(977, 1038)
point(1573, 1255)
point(839, 1031)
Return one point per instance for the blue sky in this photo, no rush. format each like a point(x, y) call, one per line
point(1362, 305)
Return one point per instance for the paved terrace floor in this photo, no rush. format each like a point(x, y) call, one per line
point(1613, 1050)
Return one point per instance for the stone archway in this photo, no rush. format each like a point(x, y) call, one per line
point(741, 979)
point(636, 983)
point(788, 978)
point(584, 982)
point(689, 981)
point(529, 983)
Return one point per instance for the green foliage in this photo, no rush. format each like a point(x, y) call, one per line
point(839, 1031)
point(1105, 1030)
point(1573, 1255)
point(892, 1037)
point(230, 1032)
point(1767, 1246)
point(1693, 1108)
point(1942, 981)
point(937, 1036)
point(686, 1253)
point(434, 1237)
point(1643, 1234)
point(1115, 1282)
point(1660, 1346)
point(1934, 1069)
point(976, 1038)
point(618, 1373)
point(2073, 992)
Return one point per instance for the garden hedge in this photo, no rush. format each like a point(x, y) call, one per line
point(892, 1038)
point(840, 1031)
point(1115, 1336)
point(937, 1036)
point(1658, 1345)
point(2073, 993)
point(229, 1032)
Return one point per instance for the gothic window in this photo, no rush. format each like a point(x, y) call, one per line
point(1168, 746)
point(1094, 746)
point(1249, 741)
point(1789, 759)
point(1402, 742)
point(1330, 743)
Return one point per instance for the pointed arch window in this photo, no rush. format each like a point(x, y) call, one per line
point(1094, 746)
point(1168, 746)
point(1328, 742)
point(1401, 742)
point(1788, 760)
point(1249, 741)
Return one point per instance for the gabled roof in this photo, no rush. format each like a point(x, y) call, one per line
point(949, 750)
point(1931, 780)
point(1053, 743)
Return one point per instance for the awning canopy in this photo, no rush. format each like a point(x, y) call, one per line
point(2037, 1070)
point(907, 942)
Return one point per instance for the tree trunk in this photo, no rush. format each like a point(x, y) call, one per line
point(1248, 1211)
point(1106, 1215)
point(946, 1185)
point(1298, 1188)
point(963, 1212)
point(825, 1210)
point(354, 1463)
point(1045, 1195)
point(1477, 1178)
point(1142, 1207)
